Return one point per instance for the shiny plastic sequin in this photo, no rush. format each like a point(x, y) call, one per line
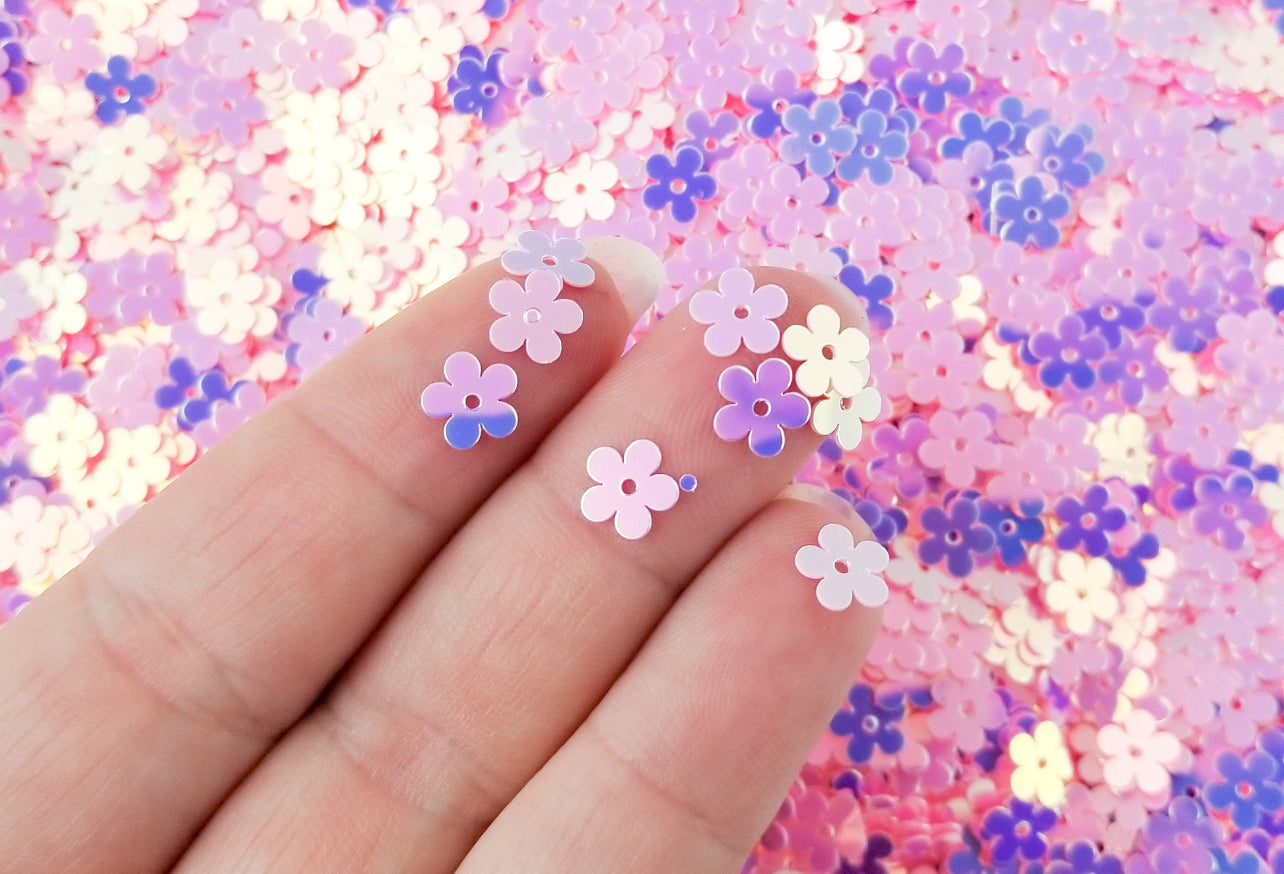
point(847, 571)
point(629, 488)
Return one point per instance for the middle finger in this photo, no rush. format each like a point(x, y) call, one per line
point(517, 629)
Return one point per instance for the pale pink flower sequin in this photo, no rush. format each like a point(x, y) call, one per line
point(629, 488)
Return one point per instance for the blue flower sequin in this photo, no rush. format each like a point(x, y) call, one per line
point(869, 723)
point(118, 92)
point(193, 393)
point(679, 183)
point(476, 87)
point(876, 148)
point(1025, 213)
point(817, 135)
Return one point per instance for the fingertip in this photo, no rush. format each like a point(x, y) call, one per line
point(636, 272)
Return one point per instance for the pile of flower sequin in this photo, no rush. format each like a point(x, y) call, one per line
point(1064, 219)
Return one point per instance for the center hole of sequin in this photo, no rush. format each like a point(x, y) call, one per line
point(841, 566)
point(1243, 790)
point(817, 138)
point(828, 351)
point(531, 316)
point(1022, 829)
point(472, 401)
point(741, 312)
point(954, 537)
point(121, 92)
point(761, 407)
point(678, 185)
point(628, 487)
point(869, 150)
point(869, 724)
point(489, 89)
point(548, 261)
point(1032, 215)
point(328, 334)
point(936, 77)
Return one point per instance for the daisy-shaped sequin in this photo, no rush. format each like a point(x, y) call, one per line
point(564, 258)
point(739, 312)
point(532, 315)
point(833, 358)
point(628, 488)
point(761, 407)
point(472, 400)
point(846, 570)
point(845, 417)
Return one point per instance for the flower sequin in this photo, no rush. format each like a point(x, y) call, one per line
point(472, 401)
point(761, 407)
point(532, 315)
point(563, 257)
point(833, 358)
point(739, 312)
point(628, 488)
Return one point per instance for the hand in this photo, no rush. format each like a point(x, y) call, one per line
point(336, 643)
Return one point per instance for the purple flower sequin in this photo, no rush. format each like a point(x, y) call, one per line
point(1089, 521)
point(1025, 213)
point(118, 92)
point(1187, 315)
point(1180, 839)
point(1068, 353)
point(1136, 370)
point(869, 723)
point(192, 393)
point(817, 136)
point(956, 536)
point(876, 147)
point(472, 400)
point(1249, 787)
point(476, 87)
point(1226, 508)
point(678, 183)
point(320, 331)
point(935, 78)
point(761, 407)
point(772, 100)
point(1018, 830)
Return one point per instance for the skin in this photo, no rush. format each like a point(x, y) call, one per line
point(336, 643)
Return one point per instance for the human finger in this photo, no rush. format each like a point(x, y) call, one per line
point(140, 688)
point(526, 618)
point(684, 762)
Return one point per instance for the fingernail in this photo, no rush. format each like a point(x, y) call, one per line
point(636, 271)
point(814, 494)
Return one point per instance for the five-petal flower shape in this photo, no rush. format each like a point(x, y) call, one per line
point(846, 570)
point(738, 312)
point(628, 488)
point(472, 400)
point(532, 315)
point(833, 358)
